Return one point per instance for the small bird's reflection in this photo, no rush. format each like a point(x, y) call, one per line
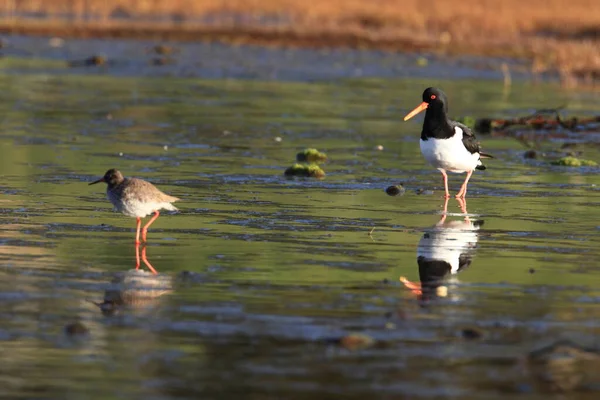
point(135, 289)
point(445, 249)
point(143, 258)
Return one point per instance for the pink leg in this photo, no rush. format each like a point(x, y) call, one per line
point(145, 260)
point(462, 202)
point(137, 255)
point(444, 213)
point(137, 234)
point(463, 189)
point(445, 176)
point(145, 229)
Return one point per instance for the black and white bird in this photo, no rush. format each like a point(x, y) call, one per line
point(447, 145)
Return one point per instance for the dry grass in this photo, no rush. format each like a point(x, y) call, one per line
point(555, 34)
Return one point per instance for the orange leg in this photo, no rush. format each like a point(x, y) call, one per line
point(445, 176)
point(444, 213)
point(463, 189)
point(137, 255)
point(145, 260)
point(137, 235)
point(145, 229)
point(414, 287)
point(462, 202)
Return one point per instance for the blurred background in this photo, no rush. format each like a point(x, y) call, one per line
point(554, 35)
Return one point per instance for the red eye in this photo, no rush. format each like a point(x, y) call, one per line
point(433, 97)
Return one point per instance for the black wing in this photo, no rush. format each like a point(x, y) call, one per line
point(469, 139)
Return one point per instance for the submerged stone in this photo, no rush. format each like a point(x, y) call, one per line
point(530, 154)
point(395, 190)
point(564, 367)
point(356, 341)
point(471, 333)
point(76, 329)
point(88, 62)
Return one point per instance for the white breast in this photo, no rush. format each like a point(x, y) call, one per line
point(136, 208)
point(449, 154)
point(447, 242)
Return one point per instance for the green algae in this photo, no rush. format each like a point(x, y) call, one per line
point(574, 162)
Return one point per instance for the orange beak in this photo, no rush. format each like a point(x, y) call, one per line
point(98, 181)
point(417, 110)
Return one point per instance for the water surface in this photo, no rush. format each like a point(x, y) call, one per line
point(267, 273)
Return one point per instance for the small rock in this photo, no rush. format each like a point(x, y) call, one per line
point(530, 154)
point(158, 61)
point(88, 62)
point(441, 291)
point(422, 62)
point(163, 49)
point(471, 333)
point(56, 42)
point(395, 190)
point(423, 192)
point(564, 367)
point(445, 37)
point(76, 329)
point(356, 341)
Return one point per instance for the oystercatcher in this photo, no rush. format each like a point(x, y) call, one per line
point(136, 198)
point(447, 145)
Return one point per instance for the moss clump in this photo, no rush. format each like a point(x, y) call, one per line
point(574, 162)
point(311, 156)
point(305, 170)
point(468, 121)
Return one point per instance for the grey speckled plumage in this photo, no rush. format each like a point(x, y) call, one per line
point(136, 198)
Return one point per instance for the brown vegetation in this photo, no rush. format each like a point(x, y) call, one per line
point(561, 35)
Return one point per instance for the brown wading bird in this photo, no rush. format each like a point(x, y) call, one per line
point(136, 198)
point(447, 145)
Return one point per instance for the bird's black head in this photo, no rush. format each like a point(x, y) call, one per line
point(112, 177)
point(434, 101)
point(434, 97)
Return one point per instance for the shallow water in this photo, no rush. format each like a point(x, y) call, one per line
point(268, 273)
